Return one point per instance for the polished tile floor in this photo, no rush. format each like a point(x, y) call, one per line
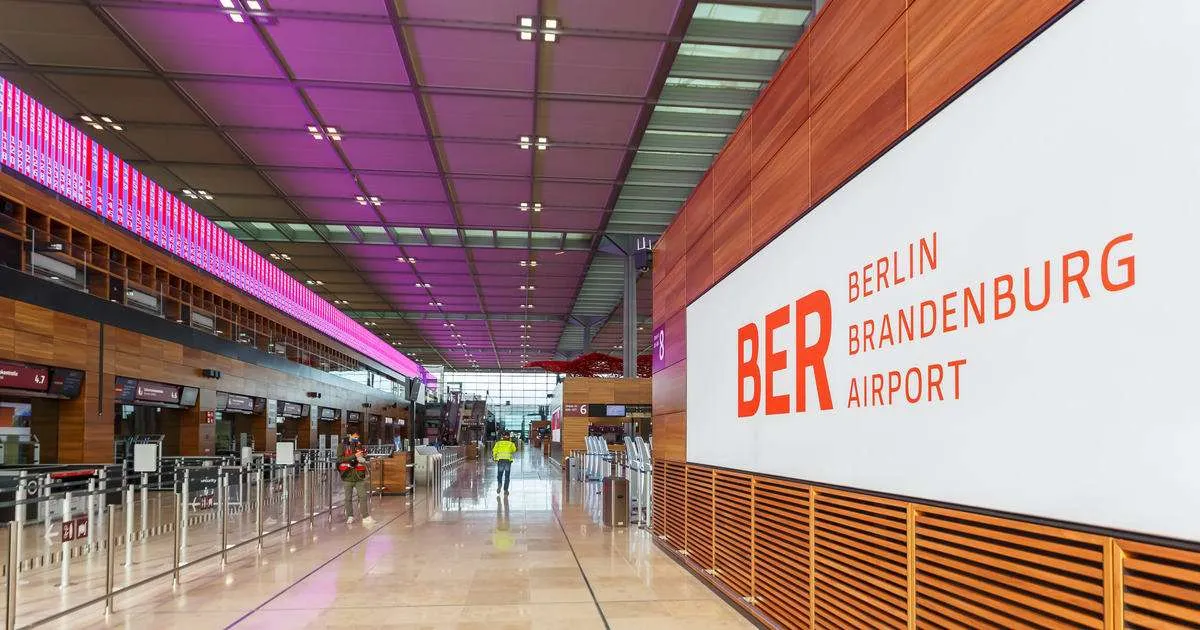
point(461, 558)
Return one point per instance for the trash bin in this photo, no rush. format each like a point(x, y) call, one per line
point(616, 501)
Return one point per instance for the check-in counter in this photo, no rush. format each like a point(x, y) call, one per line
point(389, 475)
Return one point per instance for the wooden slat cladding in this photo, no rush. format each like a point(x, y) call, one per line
point(658, 499)
point(802, 556)
point(1160, 587)
point(782, 539)
point(860, 560)
point(733, 531)
point(675, 512)
point(984, 572)
point(700, 515)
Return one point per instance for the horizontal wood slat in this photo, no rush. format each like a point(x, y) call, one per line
point(1161, 586)
point(801, 556)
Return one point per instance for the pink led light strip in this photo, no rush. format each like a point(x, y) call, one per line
point(50, 151)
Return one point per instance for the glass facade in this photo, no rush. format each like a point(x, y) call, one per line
point(515, 398)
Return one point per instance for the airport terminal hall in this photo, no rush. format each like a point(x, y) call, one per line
point(599, 314)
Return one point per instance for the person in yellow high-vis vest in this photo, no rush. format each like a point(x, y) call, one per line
point(502, 454)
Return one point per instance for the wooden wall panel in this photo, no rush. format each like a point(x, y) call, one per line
point(731, 238)
point(733, 531)
point(862, 115)
point(668, 252)
point(697, 213)
point(782, 108)
point(700, 507)
point(841, 36)
point(699, 264)
point(669, 387)
point(670, 435)
point(675, 334)
point(669, 296)
point(782, 191)
point(731, 169)
point(971, 569)
point(782, 544)
point(1156, 587)
point(950, 42)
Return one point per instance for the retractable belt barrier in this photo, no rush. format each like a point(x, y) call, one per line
point(201, 508)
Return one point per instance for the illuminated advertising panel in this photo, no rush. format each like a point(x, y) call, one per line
point(38, 145)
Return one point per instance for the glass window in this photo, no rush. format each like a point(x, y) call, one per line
point(731, 52)
point(751, 15)
point(716, 84)
point(514, 399)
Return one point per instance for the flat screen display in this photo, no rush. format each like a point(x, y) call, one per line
point(149, 391)
point(188, 397)
point(125, 390)
point(23, 376)
point(291, 409)
point(239, 403)
point(66, 383)
point(354, 416)
point(614, 411)
point(328, 414)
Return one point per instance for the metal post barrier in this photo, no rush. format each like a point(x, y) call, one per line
point(14, 563)
point(129, 526)
point(183, 521)
point(145, 505)
point(44, 504)
point(65, 567)
point(242, 489)
point(329, 483)
point(175, 550)
point(102, 499)
point(287, 500)
point(307, 496)
point(223, 514)
point(258, 505)
point(110, 560)
point(91, 506)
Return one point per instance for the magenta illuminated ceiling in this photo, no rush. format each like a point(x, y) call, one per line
point(428, 100)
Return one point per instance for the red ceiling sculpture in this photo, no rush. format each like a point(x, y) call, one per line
point(594, 365)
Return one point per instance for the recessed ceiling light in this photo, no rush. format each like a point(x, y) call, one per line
point(527, 35)
point(527, 288)
point(550, 23)
point(237, 18)
point(228, 4)
point(527, 21)
point(542, 143)
point(410, 260)
point(424, 285)
point(340, 302)
point(85, 118)
point(374, 201)
point(549, 37)
point(254, 5)
point(524, 142)
point(314, 282)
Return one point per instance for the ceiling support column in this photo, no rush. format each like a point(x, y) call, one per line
point(629, 336)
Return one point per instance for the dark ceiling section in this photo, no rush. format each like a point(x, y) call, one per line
point(389, 153)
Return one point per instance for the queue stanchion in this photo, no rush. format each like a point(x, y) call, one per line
point(145, 505)
point(183, 524)
point(110, 558)
point(258, 506)
point(175, 548)
point(65, 564)
point(223, 515)
point(128, 508)
point(14, 563)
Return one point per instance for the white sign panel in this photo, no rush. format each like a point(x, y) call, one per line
point(998, 312)
point(145, 458)
point(285, 453)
